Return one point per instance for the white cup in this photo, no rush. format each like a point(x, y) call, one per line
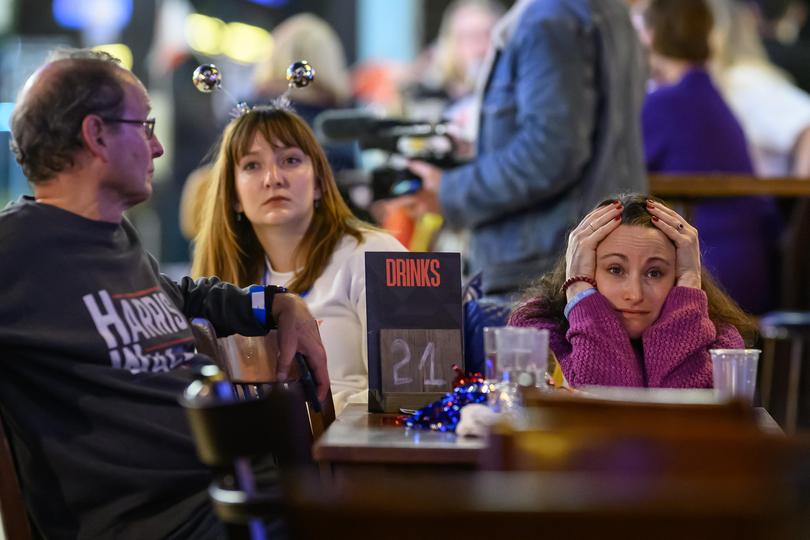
point(735, 373)
point(522, 355)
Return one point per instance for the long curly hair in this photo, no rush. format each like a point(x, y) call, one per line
point(228, 248)
point(544, 299)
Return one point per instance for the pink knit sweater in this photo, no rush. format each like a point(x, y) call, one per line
point(596, 349)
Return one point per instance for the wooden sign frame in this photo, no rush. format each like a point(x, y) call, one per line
point(414, 314)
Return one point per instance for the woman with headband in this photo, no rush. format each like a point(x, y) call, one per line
point(273, 215)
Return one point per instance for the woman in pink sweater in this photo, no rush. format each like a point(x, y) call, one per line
point(629, 305)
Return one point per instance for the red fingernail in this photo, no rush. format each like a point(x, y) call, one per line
point(618, 204)
point(654, 218)
point(617, 218)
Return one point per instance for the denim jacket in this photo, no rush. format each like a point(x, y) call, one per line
point(559, 131)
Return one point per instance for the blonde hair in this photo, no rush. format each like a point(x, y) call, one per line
point(735, 39)
point(229, 248)
point(446, 61)
point(306, 37)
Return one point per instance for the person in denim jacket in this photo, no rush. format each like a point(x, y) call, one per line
point(559, 130)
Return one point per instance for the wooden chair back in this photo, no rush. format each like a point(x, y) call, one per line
point(578, 434)
point(12, 504)
point(525, 504)
point(694, 413)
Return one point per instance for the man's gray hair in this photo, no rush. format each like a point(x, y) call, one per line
point(46, 122)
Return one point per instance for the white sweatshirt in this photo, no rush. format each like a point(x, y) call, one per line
point(338, 301)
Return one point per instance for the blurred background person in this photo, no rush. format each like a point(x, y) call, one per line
point(780, 24)
point(775, 116)
point(445, 76)
point(689, 128)
point(558, 130)
point(447, 72)
point(774, 113)
point(308, 37)
point(273, 215)
point(192, 201)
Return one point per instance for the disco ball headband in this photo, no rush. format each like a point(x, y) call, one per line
point(208, 77)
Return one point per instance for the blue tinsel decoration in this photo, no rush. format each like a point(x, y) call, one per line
point(444, 414)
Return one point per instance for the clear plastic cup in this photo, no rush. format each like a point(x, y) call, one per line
point(735, 373)
point(490, 352)
point(522, 355)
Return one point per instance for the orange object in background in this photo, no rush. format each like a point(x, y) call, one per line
point(399, 223)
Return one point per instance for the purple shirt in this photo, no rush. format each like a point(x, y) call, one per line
point(689, 128)
point(595, 348)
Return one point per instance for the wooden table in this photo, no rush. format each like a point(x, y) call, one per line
point(360, 438)
point(385, 487)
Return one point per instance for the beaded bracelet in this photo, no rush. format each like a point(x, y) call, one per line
point(573, 279)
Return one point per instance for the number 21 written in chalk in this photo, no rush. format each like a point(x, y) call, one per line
point(419, 360)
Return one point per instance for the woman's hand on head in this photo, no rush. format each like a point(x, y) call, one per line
point(580, 256)
point(685, 238)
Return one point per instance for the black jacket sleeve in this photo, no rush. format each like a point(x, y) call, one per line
point(227, 306)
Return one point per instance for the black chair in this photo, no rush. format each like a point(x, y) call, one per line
point(237, 423)
point(320, 415)
point(790, 328)
point(239, 438)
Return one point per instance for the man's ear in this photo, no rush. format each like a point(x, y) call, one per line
point(94, 135)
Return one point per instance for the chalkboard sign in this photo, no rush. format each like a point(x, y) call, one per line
point(413, 307)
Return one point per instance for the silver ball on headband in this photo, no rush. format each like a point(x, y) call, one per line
point(241, 108)
point(300, 74)
point(207, 78)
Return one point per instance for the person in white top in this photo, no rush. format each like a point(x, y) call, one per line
point(774, 113)
point(273, 214)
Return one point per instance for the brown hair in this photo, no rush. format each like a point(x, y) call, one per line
point(545, 300)
point(680, 28)
point(228, 248)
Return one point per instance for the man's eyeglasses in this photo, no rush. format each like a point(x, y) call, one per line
point(148, 124)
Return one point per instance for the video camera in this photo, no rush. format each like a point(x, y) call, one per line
point(399, 138)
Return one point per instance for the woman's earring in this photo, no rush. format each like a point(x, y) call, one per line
point(239, 216)
point(317, 203)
